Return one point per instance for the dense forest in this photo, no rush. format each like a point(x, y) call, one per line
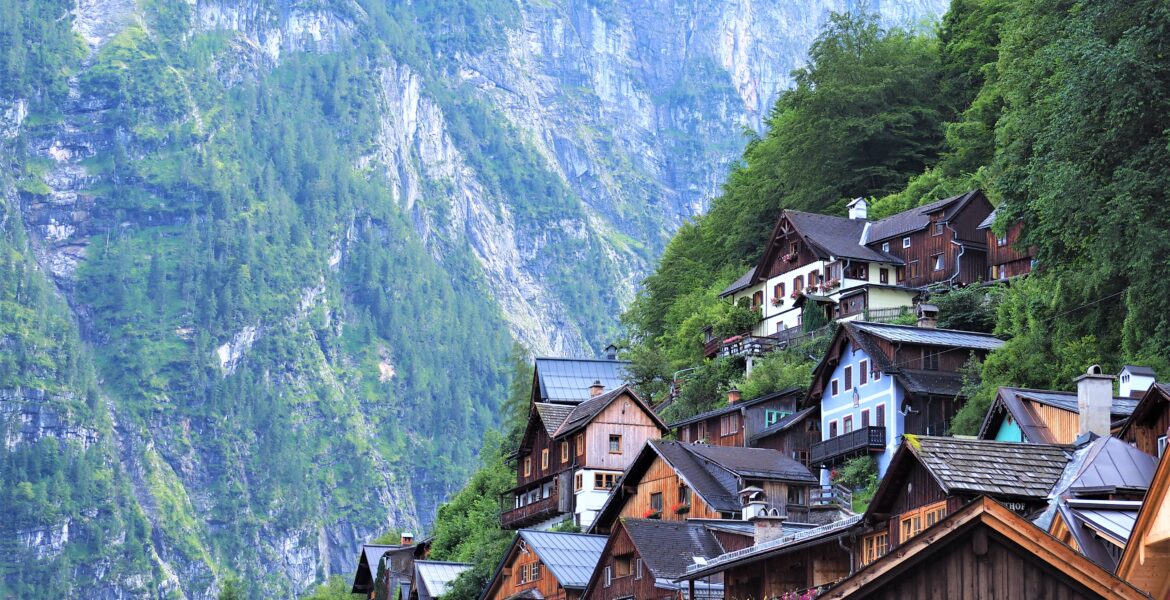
point(1058, 109)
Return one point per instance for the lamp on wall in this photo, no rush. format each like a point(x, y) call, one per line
point(909, 410)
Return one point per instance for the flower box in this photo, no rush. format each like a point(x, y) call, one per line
point(652, 514)
point(681, 509)
point(777, 301)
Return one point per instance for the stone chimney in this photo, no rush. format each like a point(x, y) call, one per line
point(858, 209)
point(1133, 381)
point(611, 352)
point(1094, 401)
point(733, 395)
point(927, 316)
point(407, 538)
point(596, 389)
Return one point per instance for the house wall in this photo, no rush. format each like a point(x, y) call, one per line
point(755, 415)
point(1144, 434)
point(795, 441)
point(540, 441)
point(963, 264)
point(798, 570)
point(507, 583)
point(1009, 430)
point(622, 587)
point(661, 478)
point(1007, 260)
point(711, 432)
point(881, 391)
point(623, 417)
point(1063, 424)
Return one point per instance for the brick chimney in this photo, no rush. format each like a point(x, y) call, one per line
point(733, 395)
point(927, 316)
point(1094, 401)
point(596, 389)
point(858, 209)
point(407, 538)
point(1133, 381)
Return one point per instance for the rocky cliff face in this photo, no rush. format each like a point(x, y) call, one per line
point(513, 177)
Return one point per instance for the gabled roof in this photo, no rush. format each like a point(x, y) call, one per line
point(567, 380)
point(929, 336)
point(434, 577)
point(552, 415)
point(584, 413)
point(1003, 470)
point(1155, 398)
point(1139, 370)
point(738, 406)
point(669, 547)
point(1145, 557)
point(1113, 466)
point(785, 423)
point(1088, 521)
point(989, 221)
point(1012, 401)
point(571, 557)
point(1023, 539)
point(838, 237)
point(367, 568)
point(712, 472)
point(744, 282)
point(784, 544)
point(918, 218)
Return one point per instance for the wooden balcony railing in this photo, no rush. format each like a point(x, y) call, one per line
point(832, 496)
point(558, 502)
point(535, 512)
point(858, 441)
point(747, 344)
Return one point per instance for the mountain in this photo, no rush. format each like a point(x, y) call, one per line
point(262, 261)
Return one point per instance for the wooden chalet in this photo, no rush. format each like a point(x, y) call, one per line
point(878, 381)
point(432, 578)
point(545, 564)
point(388, 567)
point(1145, 562)
point(643, 558)
point(931, 477)
point(1044, 416)
point(1006, 259)
point(983, 551)
point(369, 559)
point(734, 424)
point(571, 456)
point(793, 436)
point(679, 481)
point(1149, 425)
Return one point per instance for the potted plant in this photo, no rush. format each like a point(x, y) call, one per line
point(651, 514)
point(777, 301)
point(680, 508)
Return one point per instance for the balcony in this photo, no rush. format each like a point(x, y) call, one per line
point(559, 501)
point(832, 496)
point(858, 441)
point(755, 345)
point(541, 510)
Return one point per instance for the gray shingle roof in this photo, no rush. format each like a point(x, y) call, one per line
point(989, 221)
point(669, 547)
point(713, 472)
point(908, 334)
point(998, 469)
point(743, 282)
point(1112, 466)
point(583, 413)
point(571, 557)
point(567, 380)
point(1139, 370)
point(837, 236)
point(553, 415)
point(785, 423)
point(915, 218)
point(730, 408)
point(754, 463)
point(435, 577)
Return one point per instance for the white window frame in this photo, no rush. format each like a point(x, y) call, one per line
point(885, 246)
point(638, 568)
point(608, 576)
point(905, 242)
point(1162, 442)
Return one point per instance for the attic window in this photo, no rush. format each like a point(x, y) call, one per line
point(929, 359)
point(905, 242)
point(615, 444)
point(939, 262)
point(885, 246)
point(938, 228)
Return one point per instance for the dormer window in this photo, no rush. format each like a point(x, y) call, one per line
point(905, 242)
point(938, 228)
point(885, 246)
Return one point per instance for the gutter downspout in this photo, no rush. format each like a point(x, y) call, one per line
point(852, 567)
point(959, 258)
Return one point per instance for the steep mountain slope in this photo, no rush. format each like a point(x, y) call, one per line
point(261, 260)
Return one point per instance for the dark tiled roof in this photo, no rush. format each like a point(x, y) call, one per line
point(1112, 466)
point(754, 463)
point(998, 469)
point(989, 221)
point(669, 547)
point(552, 415)
point(909, 334)
point(730, 408)
point(567, 380)
point(713, 472)
point(717, 487)
point(1122, 407)
point(583, 413)
point(837, 236)
point(571, 557)
point(933, 383)
point(915, 219)
point(1139, 370)
point(744, 281)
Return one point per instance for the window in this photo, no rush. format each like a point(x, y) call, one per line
point(1001, 240)
point(885, 246)
point(544, 459)
point(814, 277)
point(794, 248)
point(795, 494)
point(778, 291)
point(728, 424)
point(580, 444)
point(684, 495)
point(913, 269)
point(800, 456)
point(884, 275)
point(579, 482)
point(929, 359)
point(615, 444)
point(857, 271)
point(656, 501)
point(879, 415)
point(527, 466)
point(757, 299)
point(938, 261)
point(604, 481)
point(832, 429)
point(522, 575)
point(534, 571)
point(686, 434)
point(877, 373)
point(608, 576)
point(622, 566)
point(912, 523)
point(771, 417)
point(702, 431)
point(863, 372)
point(1161, 446)
point(847, 424)
point(564, 452)
point(848, 378)
point(937, 229)
point(875, 546)
point(638, 569)
point(905, 242)
point(835, 386)
point(900, 274)
point(865, 418)
point(797, 284)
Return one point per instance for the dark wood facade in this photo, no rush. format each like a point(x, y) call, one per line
point(731, 427)
point(630, 577)
point(773, 577)
point(1149, 425)
point(514, 578)
point(796, 439)
point(958, 240)
point(1005, 258)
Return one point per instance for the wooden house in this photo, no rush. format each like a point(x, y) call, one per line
point(679, 481)
point(369, 558)
point(1145, 562)
point(388, 567)
point(1149, 425)
point(571, 456)
point(734, 424)
point(983, 551)
point(931, 477)
point(793, 436)
point(877, 382)
point(545, 564)
point(644, 557)
point(1006, 258)
point(433, 578)
point(1044, 416)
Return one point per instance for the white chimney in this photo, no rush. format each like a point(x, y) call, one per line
point(1134, 381)
point(858, 209)
point(927, 316)
point(1094, 401)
